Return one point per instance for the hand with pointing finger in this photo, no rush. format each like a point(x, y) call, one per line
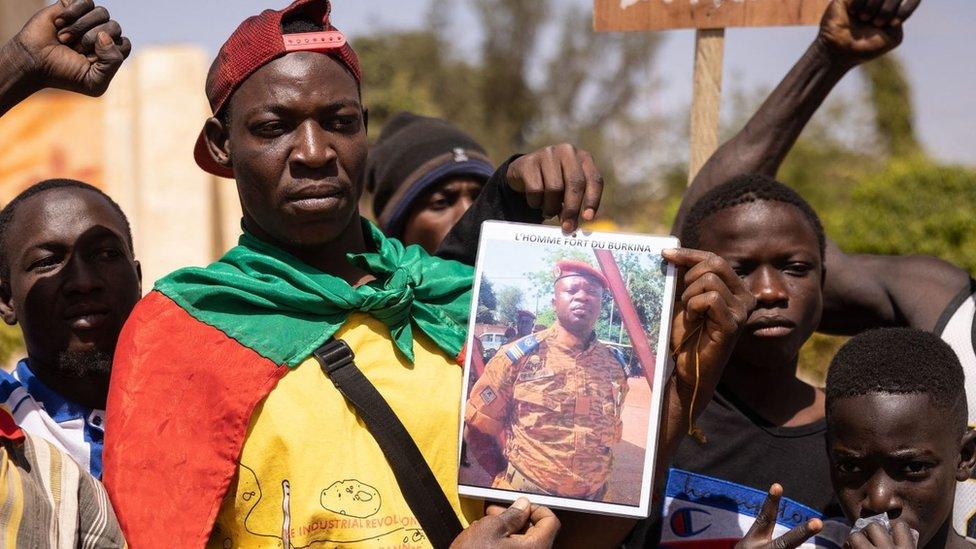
point(761, 534)
point(521, 526)
point(560, 180)
point(71, 45)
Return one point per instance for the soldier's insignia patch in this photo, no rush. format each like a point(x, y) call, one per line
point(522, 347)
point(487, 395)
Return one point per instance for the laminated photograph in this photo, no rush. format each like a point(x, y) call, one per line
point(567, 355)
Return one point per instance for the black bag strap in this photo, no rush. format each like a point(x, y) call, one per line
point(417, 483)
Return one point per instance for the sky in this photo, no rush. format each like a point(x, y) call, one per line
point(939, 52)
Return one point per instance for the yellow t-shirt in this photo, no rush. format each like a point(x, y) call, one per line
point(310, 472)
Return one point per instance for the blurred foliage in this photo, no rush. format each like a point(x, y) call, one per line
point(859, 162)
point(509, 299)
point(11, 344)
point(912, 206)
point(590, 91)
point(891, 97)
point(487, 303)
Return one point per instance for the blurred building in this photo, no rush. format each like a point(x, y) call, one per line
point(136, 143)
point(13, 15)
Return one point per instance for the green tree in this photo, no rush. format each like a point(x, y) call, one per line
point(509, 303)
point(590, 92)
point(894, 114)
point(487, 302)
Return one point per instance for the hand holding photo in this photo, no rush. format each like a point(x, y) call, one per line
point(567, 344)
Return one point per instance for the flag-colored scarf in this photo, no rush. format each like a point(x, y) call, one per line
point(283, 309)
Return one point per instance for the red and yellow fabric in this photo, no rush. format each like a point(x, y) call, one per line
point(312, 474)
point(201, 354)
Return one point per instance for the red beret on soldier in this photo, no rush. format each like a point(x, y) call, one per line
point(572, 267)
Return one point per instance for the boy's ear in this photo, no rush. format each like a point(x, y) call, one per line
point(967, 456)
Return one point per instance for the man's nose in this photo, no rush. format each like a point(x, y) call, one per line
point(82, 276)
point(881, 496)
point(313, 147)
point(768, 287)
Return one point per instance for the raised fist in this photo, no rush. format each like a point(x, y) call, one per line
point(860, 30)
point(71, 45)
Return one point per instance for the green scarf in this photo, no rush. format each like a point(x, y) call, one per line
point(283, 309)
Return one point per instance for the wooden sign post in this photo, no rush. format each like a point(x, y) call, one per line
point(710, 18)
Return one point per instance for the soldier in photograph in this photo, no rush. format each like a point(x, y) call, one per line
point(551, 401)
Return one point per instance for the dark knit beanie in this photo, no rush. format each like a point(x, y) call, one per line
point(413, 154)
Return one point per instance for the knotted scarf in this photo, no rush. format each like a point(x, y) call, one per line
point(283, 309)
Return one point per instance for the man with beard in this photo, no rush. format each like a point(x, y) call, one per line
point(68, 276)
point(546, 388)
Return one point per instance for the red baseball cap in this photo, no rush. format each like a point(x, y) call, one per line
point(258, 41)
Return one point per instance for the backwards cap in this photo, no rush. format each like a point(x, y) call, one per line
point(258, 41)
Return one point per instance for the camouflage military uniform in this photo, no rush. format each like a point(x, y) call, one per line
point(558, 410)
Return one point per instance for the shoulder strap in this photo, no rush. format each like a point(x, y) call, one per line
point(417, 483)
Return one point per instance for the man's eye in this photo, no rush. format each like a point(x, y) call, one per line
point(439, 203)
point(740, 271)
point(108, 254)
point(44, 263)
point(916, 468)
point(345, 123)
point(798, 269)
point(848, 468)
point(269, 129)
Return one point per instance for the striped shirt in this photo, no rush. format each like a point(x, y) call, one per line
point(39, 410)
point(46, 499)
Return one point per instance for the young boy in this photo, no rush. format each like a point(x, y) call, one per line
point(897, 437)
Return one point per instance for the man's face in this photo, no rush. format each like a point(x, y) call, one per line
point(525, 324)
point(577, 302)
point(433, 215)
point(297, 143)
point(897, 454)
point(775, 250)
point(73, 279)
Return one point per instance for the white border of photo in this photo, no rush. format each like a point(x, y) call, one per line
point(506, 232)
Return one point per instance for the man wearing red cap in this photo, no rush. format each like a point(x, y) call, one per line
point(222, 428)
point(553, 399)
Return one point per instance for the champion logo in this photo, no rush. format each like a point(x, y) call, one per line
point(684, 522)
point(460, 155)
